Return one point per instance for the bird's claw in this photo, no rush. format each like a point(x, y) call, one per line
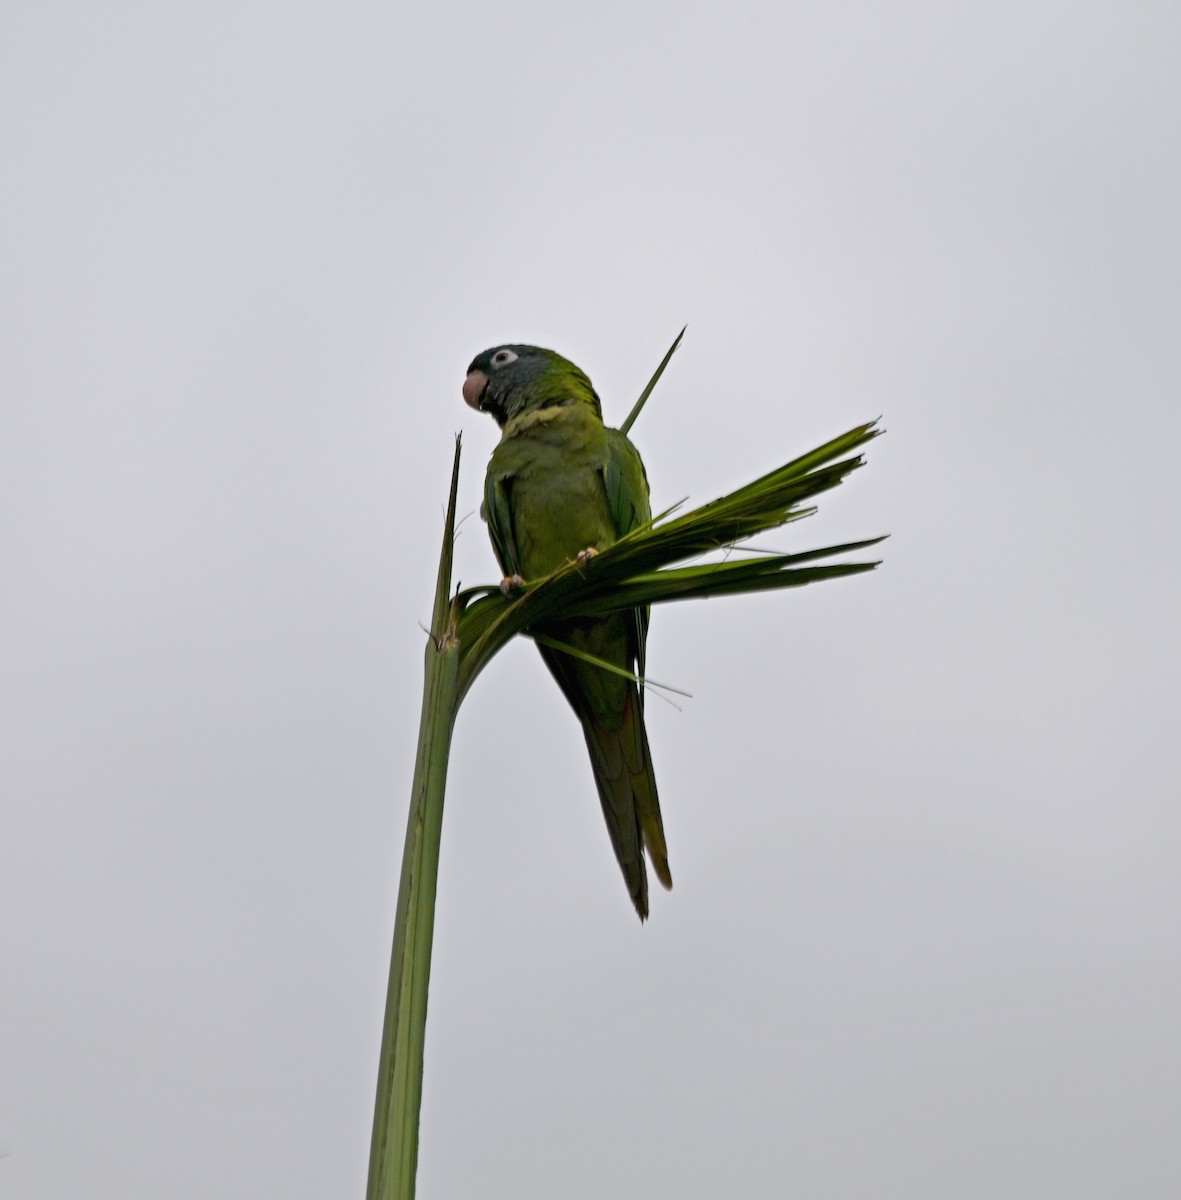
point(587, 554)
point(511, 585)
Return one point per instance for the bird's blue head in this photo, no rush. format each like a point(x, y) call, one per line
point(509, 380)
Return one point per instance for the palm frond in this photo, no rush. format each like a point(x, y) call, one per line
point(639, 569)
point(552, 643)
point(645, 567)
point(639, 404)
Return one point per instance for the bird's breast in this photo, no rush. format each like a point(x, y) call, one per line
point(552, 467)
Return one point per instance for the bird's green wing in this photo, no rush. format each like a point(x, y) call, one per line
point(627, 484)
point(627, 495)
point(499, 516)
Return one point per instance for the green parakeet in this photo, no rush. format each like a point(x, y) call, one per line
point(560, 485)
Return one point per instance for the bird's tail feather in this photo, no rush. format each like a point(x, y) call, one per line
point(627, 791)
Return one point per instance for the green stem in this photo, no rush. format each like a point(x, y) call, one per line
point(393, 1155)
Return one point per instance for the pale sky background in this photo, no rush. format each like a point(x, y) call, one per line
point(925, 940)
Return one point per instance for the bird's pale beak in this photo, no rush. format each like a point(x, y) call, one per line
point(473, 387)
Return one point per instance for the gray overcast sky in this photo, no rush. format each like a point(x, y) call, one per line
point(924, 825)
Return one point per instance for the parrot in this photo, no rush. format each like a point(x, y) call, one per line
point(562, 486)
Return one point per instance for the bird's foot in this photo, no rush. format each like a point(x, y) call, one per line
point(511, 585)
point(586, 555)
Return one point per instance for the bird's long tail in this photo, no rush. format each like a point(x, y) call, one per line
point(627, 790)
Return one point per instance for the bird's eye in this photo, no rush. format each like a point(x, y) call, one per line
point(503, 357)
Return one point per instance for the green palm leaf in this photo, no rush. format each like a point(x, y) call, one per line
point(645, 567)
point(639, 569)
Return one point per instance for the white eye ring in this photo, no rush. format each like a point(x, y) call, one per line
point(502, 358)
